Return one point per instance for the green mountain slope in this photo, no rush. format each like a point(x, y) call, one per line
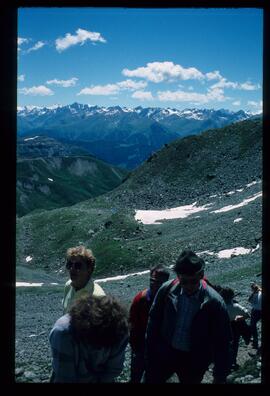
point(48, 183)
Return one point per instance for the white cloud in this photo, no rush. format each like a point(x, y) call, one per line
point(181, 96)
point(80, 38)
point(63, 83)
point(258, 106)
point(160, 71)
point(224, 83)
point(248, 86)
point(41, 90)
point(142, 95)
point(108, 89)
point(237, 103)
point(111, 89)
point(132, 85)
point(216, 94)
point(215, 75)
point(22, 41)
point(36, 47)
point(193, 97)
point(21, 77)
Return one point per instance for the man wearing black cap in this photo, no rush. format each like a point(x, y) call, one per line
point(188, 328)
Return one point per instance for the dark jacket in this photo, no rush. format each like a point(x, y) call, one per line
point(210, 329)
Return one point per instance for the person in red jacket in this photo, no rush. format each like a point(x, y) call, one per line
point(138, 318)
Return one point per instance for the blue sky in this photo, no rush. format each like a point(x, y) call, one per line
point(178, 58)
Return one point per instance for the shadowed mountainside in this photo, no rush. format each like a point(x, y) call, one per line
point(49, 182)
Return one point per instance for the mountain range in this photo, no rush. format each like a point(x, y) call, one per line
point(118, 135)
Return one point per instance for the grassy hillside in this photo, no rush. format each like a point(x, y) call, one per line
point(48, 183)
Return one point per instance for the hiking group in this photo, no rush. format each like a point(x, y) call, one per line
point(177, 326)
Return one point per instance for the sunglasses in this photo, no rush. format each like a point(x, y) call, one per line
point(77, 265)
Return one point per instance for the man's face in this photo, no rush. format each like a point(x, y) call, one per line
point(156, 280)
point(79, 272)
point(190, 283)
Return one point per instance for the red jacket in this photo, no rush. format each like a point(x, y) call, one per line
point(138, 317)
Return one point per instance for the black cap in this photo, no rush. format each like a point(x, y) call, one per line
point(188, 263)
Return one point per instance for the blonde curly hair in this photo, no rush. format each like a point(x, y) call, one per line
point(85, 254)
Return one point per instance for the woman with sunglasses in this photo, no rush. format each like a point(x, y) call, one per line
point(80, 263)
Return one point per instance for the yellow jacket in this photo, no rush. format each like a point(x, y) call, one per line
point(70, 294)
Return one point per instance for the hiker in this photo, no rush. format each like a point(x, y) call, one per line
point(88, 343)
point(80, 263)
point(188, 328)
point(255, 299)
point(138, 317)
point(238, 315)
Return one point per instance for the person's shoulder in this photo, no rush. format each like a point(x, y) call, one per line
point(98, 291)
point(61, 326)
point(63, 322)
point(60, 336)
point(213, 294)
point(169, 283)
point(141, 295)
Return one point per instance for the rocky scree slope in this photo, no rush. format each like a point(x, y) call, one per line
point(195, 167)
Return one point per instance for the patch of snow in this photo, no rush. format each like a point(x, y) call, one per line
point(18, 284)
point(252, 183)
point(119, 277)
point(243, 203)
point(206, 252)
point(31, 138)
point(227, 253)
point(156, 216)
